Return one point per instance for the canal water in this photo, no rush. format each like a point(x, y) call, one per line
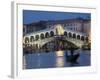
point(55, 59)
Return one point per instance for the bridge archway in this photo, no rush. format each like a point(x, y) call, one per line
point(26, 40)
point(42, 36)
point(78, 36)
point(47, 35)
point(70, 34)
point(82, 38)
point(51, 45)
point(65, 33)
point(31, 38)
point(51, 33)
point(37, 37)
point(74, 35)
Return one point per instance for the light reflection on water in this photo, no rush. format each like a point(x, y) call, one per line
point(59, 58)
point(59, 53)
point(53, 59)
point(59, 61)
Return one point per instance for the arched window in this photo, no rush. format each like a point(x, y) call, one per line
point(51, 33)
point(31, 38)
point(37, 37)
point(26, 40)
point(74, 35)
point(82, 38)
point(65, 33)
point(46, 35)
point(42, 36)
point(78, 36)
point(70, 35)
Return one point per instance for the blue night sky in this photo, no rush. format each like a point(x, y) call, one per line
point(30, 16)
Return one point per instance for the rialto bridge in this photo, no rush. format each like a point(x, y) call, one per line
point(42, 37)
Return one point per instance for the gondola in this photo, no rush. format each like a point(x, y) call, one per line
point(72, 58)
